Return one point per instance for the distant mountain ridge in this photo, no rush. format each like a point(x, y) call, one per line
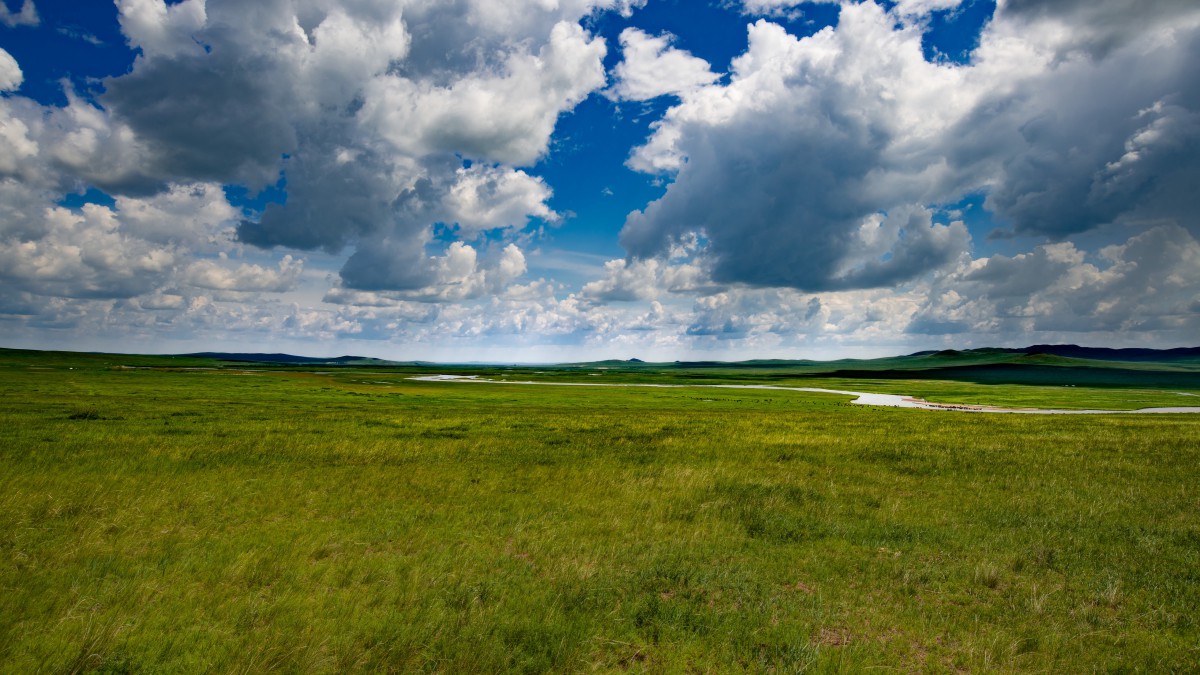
point(1032, 354)
point(1068, 351)
point(1041, 365)
point(292, 359)
point(1077, 352)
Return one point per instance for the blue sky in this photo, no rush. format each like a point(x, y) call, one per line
point(543, 181)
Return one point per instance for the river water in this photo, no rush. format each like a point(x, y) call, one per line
point(862, 398)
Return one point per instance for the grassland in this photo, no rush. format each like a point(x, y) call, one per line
point(155, 517)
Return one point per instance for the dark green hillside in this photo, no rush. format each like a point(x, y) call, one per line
point(65, 360)
point(290, 359)
point(1036, 374)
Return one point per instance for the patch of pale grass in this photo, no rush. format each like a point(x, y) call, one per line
point(987, 574)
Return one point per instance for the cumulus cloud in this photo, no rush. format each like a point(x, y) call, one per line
point(815, 166)
point(215, 275)
point(458, 274)
point(788, 322)
point(22, 209)
point(1147, 285)
point(651, 67)
point(365, 110)
point(625, 280)
point(338, 195)
point(784, 8)
point(197, 216)
point(804, 188)
point(162, 301)
point(27, 16)
point(1079, 143)
point(904, 8)
point(802, 155)
point(320, 325)
point(487, 198)
point(241, 135)
point(374, 107)
point(84, 255)
point(1056, 292)
point(16, 146)
point(500, 117)
point(141, 246)
point(158, 29)
point(11, 76)
point(82, 143)
point(648, 279)
point(739, 315)
point(922, 7)
point(1096, 27)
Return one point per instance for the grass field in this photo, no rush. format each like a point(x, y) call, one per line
point(170, 520)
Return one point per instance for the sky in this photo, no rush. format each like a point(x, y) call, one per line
point(561, 180)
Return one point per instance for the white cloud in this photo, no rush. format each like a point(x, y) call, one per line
point(484, 198)
point(140, 246)
point(22, 210)
point(1145, 285)
point(84, 255)
point(162, 30)
point(11, 76)
point(923, 7)
point(770, 7)
point(648, 279)
point(904, 8)
point(15, 144)
point(346, 53)
point(162, 301)
point(790, 163)
point(1057, 293)
point(196, 215)
point(367, 109)
point(625, 280)
point(373, 121)
point(320, 325)
point(27, 16)
point(214, 275)
point(83, 143)
point(1095, 28)
point(506, 116)
point(458, 274)
point(812, 176)
point(814, 167)
point(1060, 142)
point(651, 67)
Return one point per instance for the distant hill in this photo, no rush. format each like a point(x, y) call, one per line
point(1042, 355)
point(1020, 372)
point(1054, 365)
point(1047, 365)
point(1077, 352)
point(294, 360)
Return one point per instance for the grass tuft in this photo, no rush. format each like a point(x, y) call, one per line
point(987, 575)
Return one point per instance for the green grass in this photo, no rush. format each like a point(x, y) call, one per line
point(173, 520)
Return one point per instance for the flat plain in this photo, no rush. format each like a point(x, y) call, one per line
point(175, 515)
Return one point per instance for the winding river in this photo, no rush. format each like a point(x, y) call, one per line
point(861, 398)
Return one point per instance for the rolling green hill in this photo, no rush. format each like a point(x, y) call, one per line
point(1041, 365)
point(1055, 365)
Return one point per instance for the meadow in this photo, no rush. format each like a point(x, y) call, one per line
point(172, 515)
